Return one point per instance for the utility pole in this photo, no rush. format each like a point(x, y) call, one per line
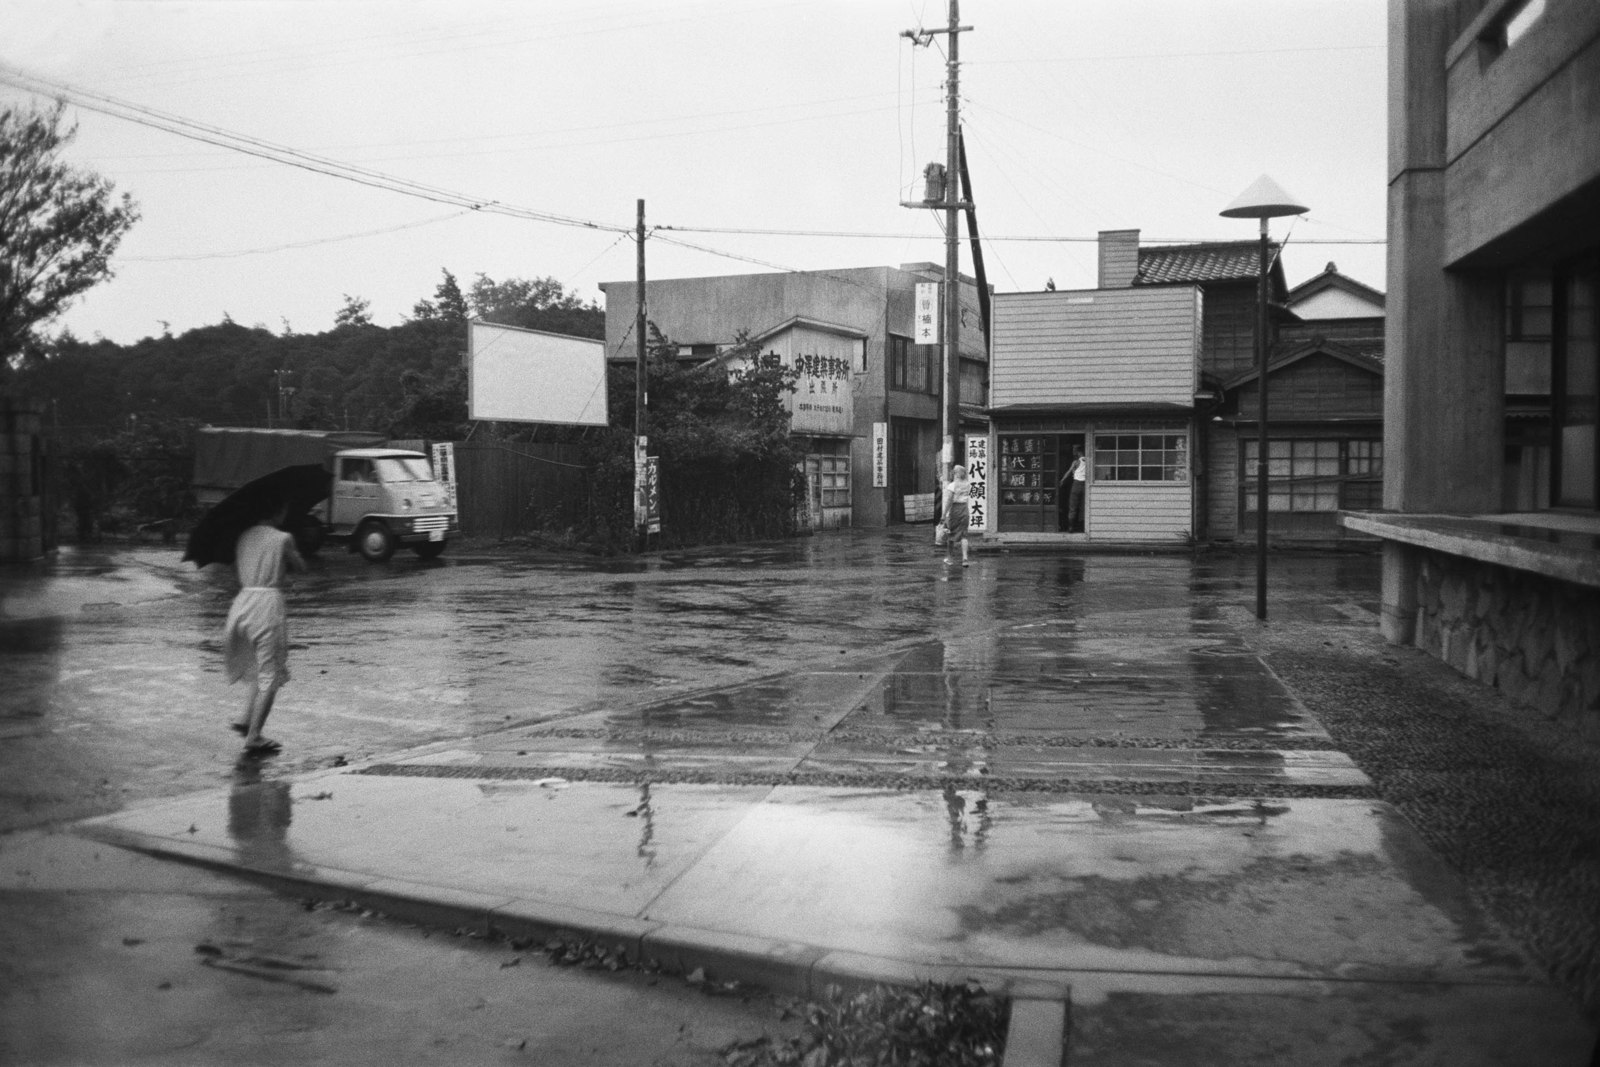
point(640, 397)
point(952, 248)
point(951, 310)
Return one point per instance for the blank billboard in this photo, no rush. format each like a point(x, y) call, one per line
point(516, 375)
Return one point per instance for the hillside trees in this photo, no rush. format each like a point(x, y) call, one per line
point(536, 304)
point(58, 228)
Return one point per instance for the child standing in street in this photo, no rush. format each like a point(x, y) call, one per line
point(957, 500)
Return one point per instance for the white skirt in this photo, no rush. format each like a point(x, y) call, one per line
point(255, 639)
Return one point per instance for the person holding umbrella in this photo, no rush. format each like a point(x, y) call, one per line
point(255, 638)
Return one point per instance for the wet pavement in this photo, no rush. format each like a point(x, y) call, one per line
point(1074, 777)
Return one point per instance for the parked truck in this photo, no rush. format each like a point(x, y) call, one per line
point(379, 497)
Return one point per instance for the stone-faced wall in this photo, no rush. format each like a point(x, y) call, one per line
point(22, 491)
point(1534, 638)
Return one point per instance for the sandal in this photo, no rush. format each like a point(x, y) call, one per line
point(264, 747)
point(239, 728)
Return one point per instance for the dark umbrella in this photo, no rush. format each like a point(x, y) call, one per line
point(213, 538)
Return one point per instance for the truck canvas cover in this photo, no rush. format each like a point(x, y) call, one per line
point(226, 458)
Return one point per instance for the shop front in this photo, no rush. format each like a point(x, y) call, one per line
point(1137, 484)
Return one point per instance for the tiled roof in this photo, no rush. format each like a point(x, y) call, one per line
point(1221, 261)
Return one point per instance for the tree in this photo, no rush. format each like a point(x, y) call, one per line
point(357, 311)
point(58, 227)
point(540, 304)
point(447, 305)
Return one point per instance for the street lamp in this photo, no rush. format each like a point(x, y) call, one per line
point(1264, 199)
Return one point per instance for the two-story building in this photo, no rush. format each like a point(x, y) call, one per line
point(868, 402)
point(1153, 376)
point(1491, 503)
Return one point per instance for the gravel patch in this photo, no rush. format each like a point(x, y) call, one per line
point(1507, 798)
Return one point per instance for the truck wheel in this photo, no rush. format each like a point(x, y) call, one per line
point(375, 542)
point(428, 549)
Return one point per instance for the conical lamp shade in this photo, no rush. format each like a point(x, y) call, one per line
point(1265, 199)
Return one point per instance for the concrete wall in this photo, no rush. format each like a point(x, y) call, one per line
point(1444, 375)
point(1534, 638)
point(1506, 161)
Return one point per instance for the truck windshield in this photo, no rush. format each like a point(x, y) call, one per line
point(403, 469)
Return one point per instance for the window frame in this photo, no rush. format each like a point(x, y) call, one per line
point(1131, 457)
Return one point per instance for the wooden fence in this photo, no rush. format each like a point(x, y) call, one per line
point(501, 486)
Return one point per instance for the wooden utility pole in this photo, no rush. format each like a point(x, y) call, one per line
point(951, 202)
point(641, 427)
point(952, 246)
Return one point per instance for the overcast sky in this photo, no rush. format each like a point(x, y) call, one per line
point(723, 115)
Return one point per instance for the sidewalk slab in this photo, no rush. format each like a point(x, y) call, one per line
point(1330, 889)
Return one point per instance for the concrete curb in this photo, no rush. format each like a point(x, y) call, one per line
point(1039, 1004)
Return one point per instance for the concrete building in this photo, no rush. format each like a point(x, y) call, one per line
point(869, 397)
point(1493, 346)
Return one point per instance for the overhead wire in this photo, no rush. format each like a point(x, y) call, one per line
point(207, 134)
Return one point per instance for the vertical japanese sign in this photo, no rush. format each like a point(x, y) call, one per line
point(640, 462)
point(926, 319)
point(444, 469)
point(978, 475)
point(652, 494)
point(880, 455)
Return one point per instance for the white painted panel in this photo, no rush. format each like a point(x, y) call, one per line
point(516, 375)
point(1154, 512)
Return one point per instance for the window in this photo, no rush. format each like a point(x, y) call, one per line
point(1577, 394)
point(1530, 327)
point(1316, 475)
point(913, 368)
point(831, 476)
point(1141, 457)
point(1513, 22)
point(1028, 470)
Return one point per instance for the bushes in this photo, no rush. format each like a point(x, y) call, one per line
point(729, 469)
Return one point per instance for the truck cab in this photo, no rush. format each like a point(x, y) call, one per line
point(386, 497)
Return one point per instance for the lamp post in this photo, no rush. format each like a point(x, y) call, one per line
point(1264, 199)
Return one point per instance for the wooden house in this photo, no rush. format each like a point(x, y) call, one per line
point(1153, 375)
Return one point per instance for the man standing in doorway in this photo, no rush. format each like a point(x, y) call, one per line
point(1072, 483)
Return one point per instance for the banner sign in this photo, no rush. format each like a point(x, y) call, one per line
point(978, 475)
point(823, 401)
point(444, 468)
point(652, 494)
point(880, 455)
point(640, 502)
point(925, 325)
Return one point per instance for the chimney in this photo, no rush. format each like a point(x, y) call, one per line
point(1119, 258)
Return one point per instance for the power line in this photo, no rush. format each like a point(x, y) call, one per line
point(213, 135)
point(296, 244)
point(868, 235)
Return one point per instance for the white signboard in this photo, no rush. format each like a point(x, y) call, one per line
point(925, 324)
point(516, 375)
point(978, 475)
point(880, 455)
